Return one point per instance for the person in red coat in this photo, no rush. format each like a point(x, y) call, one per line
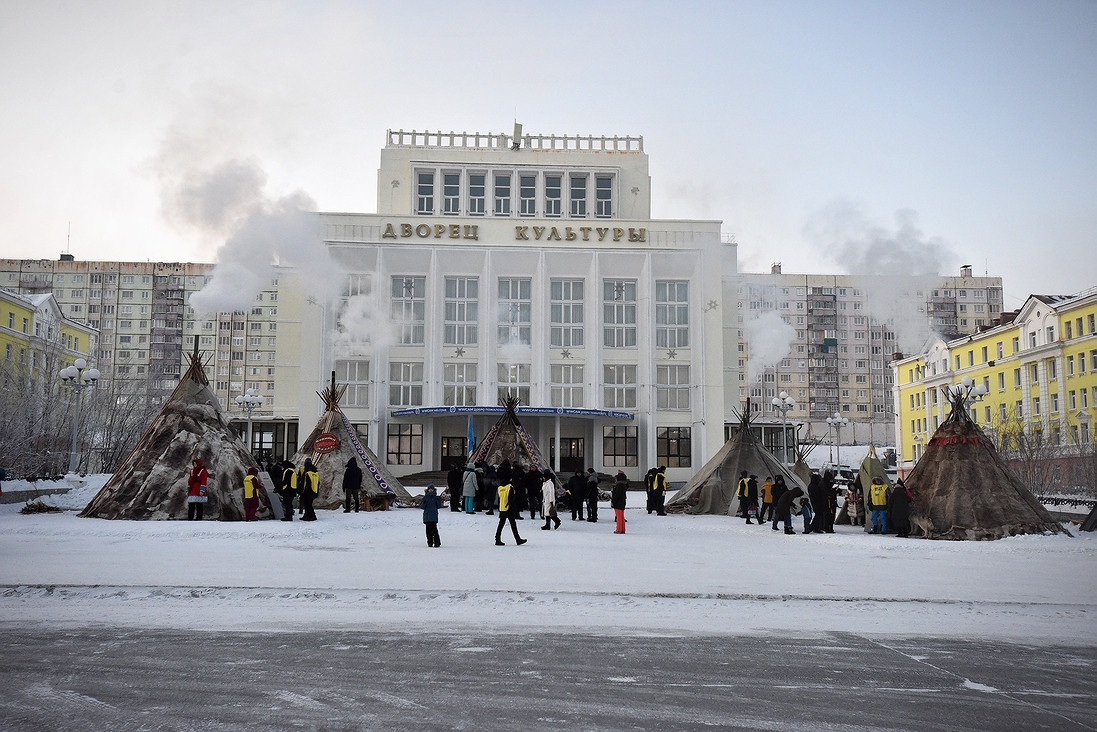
point(196, 490)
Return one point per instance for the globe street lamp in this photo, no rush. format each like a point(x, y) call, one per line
point(838, 422)
point(783, 403)
point(77, 379)
point(248, 401)
point(972, 392)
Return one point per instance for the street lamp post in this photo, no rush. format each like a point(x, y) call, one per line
point(248, 401)
point(783, 403)
point(838, 422)
point(78, 377)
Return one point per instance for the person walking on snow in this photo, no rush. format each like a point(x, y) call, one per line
point(507, 509)
point(430, 504)
point(352, 485)
point(288, 483)
point(617, 500)
point(548, 500)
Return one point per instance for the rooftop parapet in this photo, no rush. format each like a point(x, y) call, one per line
point(540, 143)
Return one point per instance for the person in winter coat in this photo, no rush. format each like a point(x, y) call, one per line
point(617, 500)
point(900, 509)
point(453, 484)
point(767, 500)
point(196, 490)
point(352, 486)
point(251, 494)
point(548, 500)
point(878, 504)
point(855, 503)
point(308, 482)
point(531, 484)
point(592, 496)
point(830, 496)
point(507, 510)
point(817, 497)
point(288, 484)
point(491, 489)
point(661, 491)
point(649, 488)
point(779, 489)
point(747, 495)
point(577, 494)
point(469, 485)
point(783, 508)
point(430, 504)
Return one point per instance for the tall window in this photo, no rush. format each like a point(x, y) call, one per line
point(673, 446)
point(672, 387)
point(406, 384)
point(514, 381)
point(619, 386)
point(409, 308)
point(502, 194)
point(620, 446)
point(603, 197)
point(459, 384)
point(514, 311)
point(461, 311)
point(553, 194)
point(477, 193)
point(579, 196)
point(405, 444)
point(451, 194)
point(355, 374)
point(619, 313)
point(424, 193)
point(566, 327)
point(671, 314)
point(566, 387)
point(527, 195)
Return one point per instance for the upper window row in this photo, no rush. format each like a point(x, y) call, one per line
point(532, 193)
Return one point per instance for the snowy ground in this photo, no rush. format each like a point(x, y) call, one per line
point(667, 575)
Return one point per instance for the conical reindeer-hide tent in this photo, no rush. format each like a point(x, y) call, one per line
point(331, 445)
point(509, 440)
point(964, 490)
point(151, 484)
point(712, 489)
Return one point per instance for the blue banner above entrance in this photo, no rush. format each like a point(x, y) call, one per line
point(536, 411)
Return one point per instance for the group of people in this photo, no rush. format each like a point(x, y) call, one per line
point(304, 484)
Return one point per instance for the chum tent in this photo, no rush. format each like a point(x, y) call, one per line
point(151, 483)
point(509, 440)
point(332, 443)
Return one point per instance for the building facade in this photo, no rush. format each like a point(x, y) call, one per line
point(847, 329)
point(1039, 370)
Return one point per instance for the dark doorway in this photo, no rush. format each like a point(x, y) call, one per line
point(572, 454)
point(453, 452)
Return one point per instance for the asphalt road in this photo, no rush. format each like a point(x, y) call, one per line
point(157, 679)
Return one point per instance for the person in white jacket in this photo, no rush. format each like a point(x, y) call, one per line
point(548, 500)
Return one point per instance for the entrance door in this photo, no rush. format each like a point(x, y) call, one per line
point(453, 452)
point(572, 454)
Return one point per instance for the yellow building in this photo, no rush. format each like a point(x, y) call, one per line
point(1040, 374)
point(37, 340)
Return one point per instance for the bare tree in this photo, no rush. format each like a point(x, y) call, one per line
point(1032, 455)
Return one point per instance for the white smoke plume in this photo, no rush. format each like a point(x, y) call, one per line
point(363, 327)
point(769, 339)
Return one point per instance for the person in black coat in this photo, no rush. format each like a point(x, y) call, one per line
point(453, 482)
point(352, 486)
point(592, 495)
point(830, 496)
point(817, 498)
point(779, 489)
point(784, 507)
point(531, 482)
point(617, 500)
point(649, 487)
point(577, 494)
point(899, 508)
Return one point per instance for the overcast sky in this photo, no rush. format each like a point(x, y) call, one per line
point(965, 132)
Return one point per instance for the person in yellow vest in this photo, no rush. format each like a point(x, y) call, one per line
point(660, 491)
point(288, 489)
point(507, 511)
point(878, 504)
point(251, 494)
point(767, 501)
point(308, 482)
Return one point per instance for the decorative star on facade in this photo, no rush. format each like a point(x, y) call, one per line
point(565, 353)
point(711, 305)
point(672, 354)
point(459, 352)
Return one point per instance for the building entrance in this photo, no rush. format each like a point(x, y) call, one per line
point(454, 452)
point(572, 454)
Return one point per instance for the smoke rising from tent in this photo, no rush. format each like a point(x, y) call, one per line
point(769, 339)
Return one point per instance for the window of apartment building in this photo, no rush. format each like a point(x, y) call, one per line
point(1082, 362)
point(1017, 378)
point(620, 446)
point(502, 194)
point(1035, 406)
point(673, 446)
point(513, 381)
point(566, 385)
point(1093, 360)
point(477, 193)
point(1089, 319)
point(1084, 396)
point(515, 311)
point(671, 314)
point(619, 390)
point(406, 384)
point(355, 374)
point(984, 354)
point(1001, 381)
point(672, 387)
point(405, 444)
point(553, 194)
point(1019, 409)
point(1052, 370)
point(1002, 412)
point(408, 308)
point(527, 195)
point(578, 196)
point(566, 313)
point(603, 197)
point(459, 384)
point(461, 311)
point(619, 313)
point(1054, 403)
point(424, 193)
point(451, 194)
point(1034, 373)
point(1068, 327)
